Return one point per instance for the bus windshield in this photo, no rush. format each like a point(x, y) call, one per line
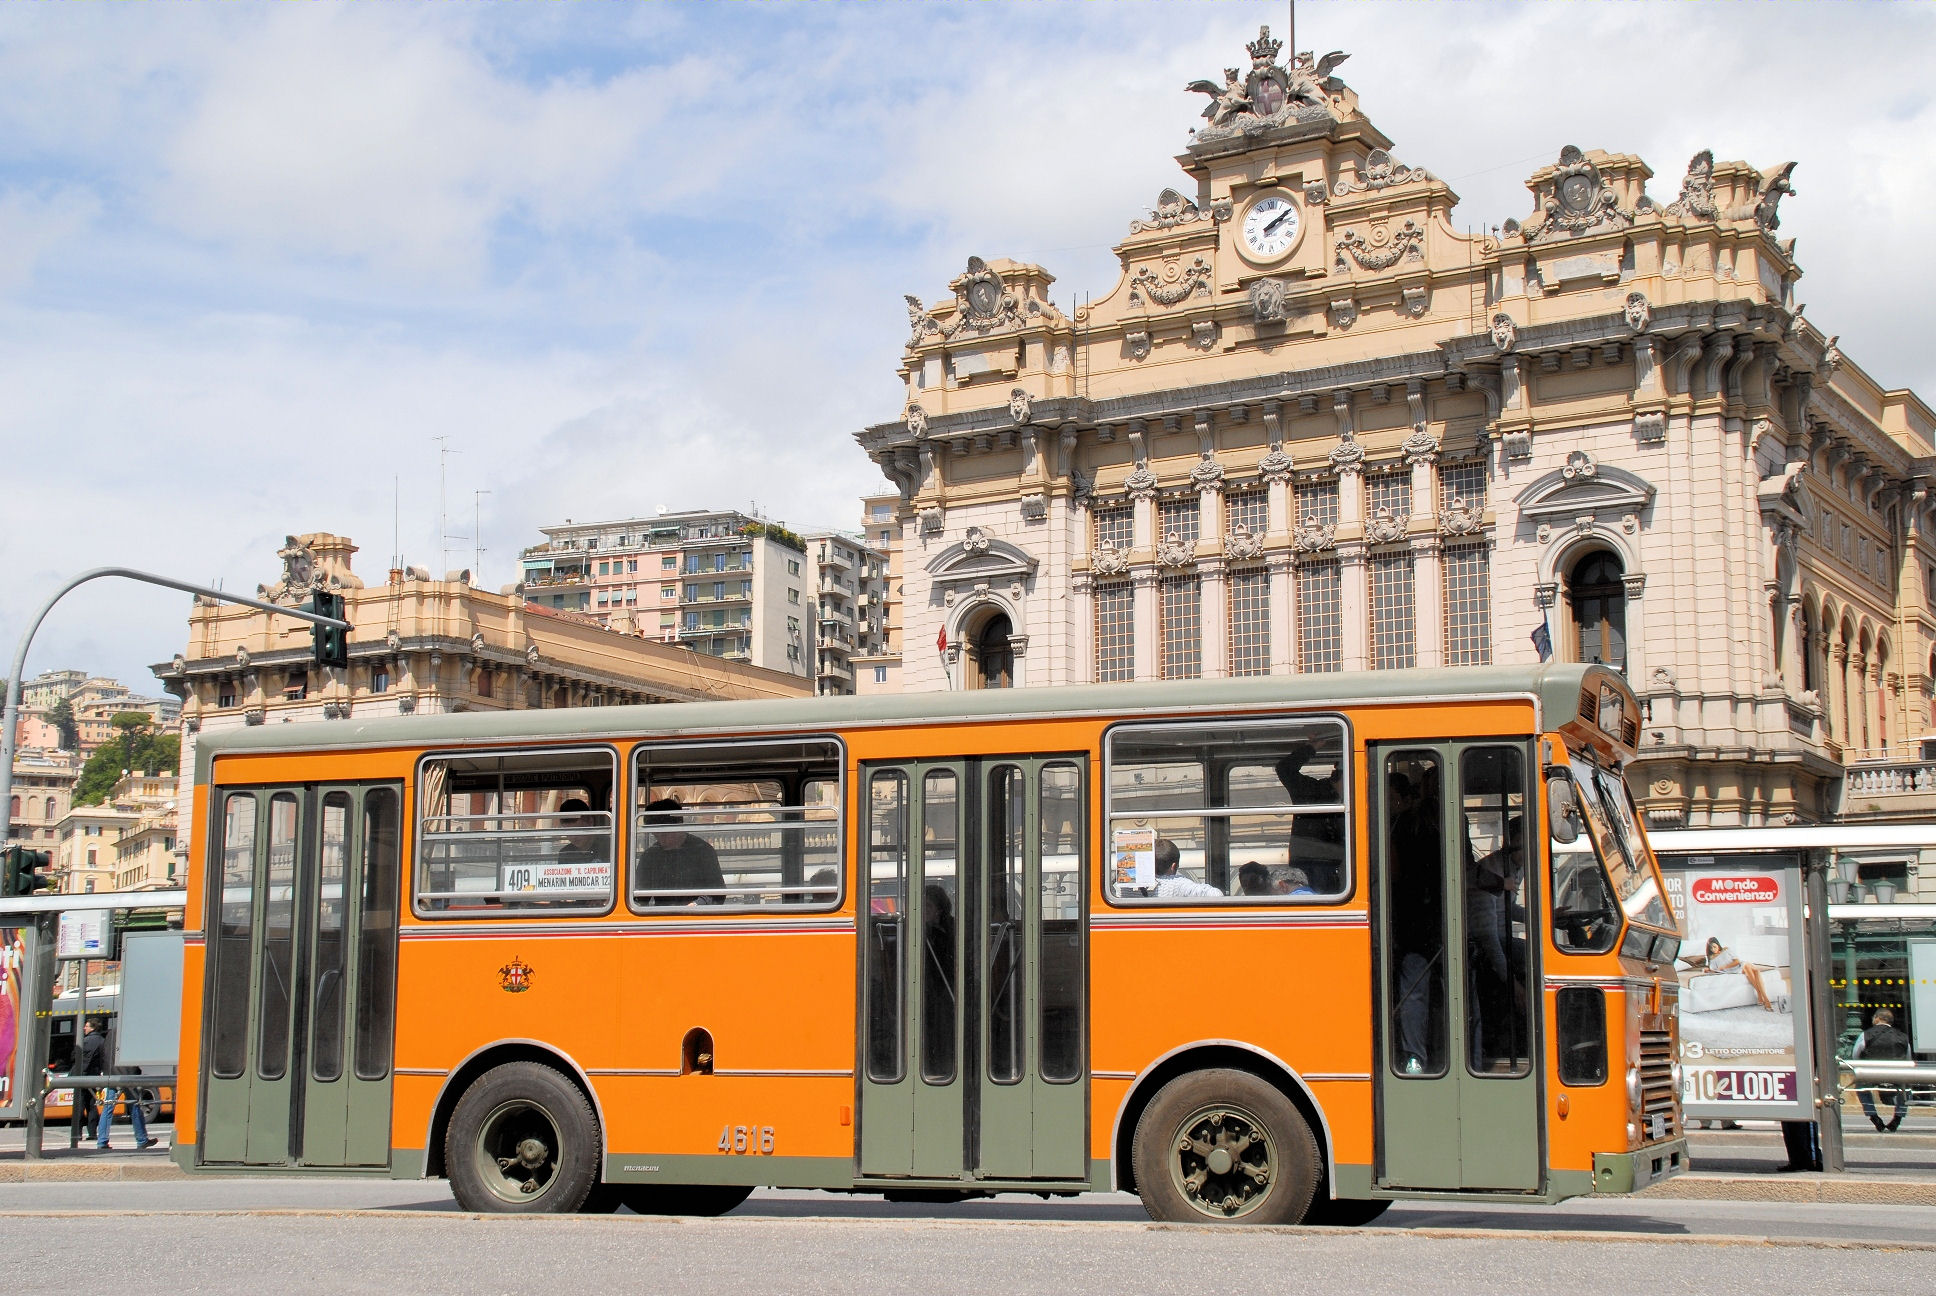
point(1616, 828)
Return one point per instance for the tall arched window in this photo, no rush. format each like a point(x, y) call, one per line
point(994, 664)
point(1597, 598)
point(1811, 674)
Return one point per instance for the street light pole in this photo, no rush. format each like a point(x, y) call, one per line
point(12, 711)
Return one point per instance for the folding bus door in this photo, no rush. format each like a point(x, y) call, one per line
point(301, 976)
point(973, 1052)
point(1458, 1087)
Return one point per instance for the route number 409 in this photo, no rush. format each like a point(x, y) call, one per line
point(747, 1139)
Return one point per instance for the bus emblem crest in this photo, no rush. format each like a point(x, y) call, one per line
point(515, 976)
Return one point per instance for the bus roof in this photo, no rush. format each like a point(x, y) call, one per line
point(1554, 687)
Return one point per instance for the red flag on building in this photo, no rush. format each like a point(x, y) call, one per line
point(941, 640)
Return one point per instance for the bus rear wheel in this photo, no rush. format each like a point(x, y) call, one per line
point(701, 1200)
point(1224, 1146)
point(522, 1141)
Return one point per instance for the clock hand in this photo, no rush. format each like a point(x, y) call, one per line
point(1272, 227)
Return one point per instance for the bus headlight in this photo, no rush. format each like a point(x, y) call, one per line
point(1633, 1088)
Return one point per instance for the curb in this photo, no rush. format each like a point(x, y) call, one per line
point(1837, 1190)
point(65, 1171)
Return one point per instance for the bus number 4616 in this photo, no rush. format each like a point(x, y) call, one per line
point(746, 1138)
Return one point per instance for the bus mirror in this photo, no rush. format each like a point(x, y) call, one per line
point(1562, 809)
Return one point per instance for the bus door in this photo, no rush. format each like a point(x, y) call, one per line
point(302, 977)
point(973, 1053)
point(1458, 1085)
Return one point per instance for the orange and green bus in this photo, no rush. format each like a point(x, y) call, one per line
point(1269, 950)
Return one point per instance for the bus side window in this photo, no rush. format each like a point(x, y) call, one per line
point(737, 824)
point(885, 867)
point(516, 830)
point(1255, 809)
point(1586, 919)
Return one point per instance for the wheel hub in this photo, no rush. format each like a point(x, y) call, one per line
point(1223, 1161)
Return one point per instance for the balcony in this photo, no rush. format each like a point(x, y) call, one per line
point(1888, 789)
point(707, 596)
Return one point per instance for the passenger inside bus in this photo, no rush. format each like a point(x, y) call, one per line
point(678, 866)
point(1172, 884)
point(1418, 911)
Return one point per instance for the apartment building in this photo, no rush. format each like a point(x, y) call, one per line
point(719, 582)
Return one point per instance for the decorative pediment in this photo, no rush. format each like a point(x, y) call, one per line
point(980, 558)
point(1569, 492)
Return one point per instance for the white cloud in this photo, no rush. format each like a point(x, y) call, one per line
point(253, 259)
point(33, 223)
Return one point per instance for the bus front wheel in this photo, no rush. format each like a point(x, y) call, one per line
point(1224, 1146)
point(524, 1141)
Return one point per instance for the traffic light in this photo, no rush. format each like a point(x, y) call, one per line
point(332, 645)
point(24, 872)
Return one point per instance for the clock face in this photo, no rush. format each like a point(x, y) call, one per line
point(1270, 226)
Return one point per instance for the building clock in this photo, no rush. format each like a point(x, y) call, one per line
point(1270, 227)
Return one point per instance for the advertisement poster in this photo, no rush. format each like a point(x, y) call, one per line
point(1133, 859)
point(83, 934)
point(13, 994)
point(556, 878)
point(1743, 1003)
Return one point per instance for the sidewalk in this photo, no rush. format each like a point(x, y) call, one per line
point(1728, 1165)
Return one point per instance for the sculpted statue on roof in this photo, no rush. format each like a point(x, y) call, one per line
point(1271, 93)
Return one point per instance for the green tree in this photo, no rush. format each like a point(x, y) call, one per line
point(61, 716)
point(136, 745)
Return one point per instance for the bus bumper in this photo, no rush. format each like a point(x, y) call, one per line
point(1629, 1172)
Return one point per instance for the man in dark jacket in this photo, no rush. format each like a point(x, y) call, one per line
point(90, 1059)
point(1882, 1042)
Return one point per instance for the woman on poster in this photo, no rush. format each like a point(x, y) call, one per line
point(1720, 959)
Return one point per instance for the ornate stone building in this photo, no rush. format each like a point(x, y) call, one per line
point(424, 646)
point(1316, 426)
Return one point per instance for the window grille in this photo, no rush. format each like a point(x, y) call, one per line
point(1182, 628)
point(1181, 518)
point(1115, 525)
point(1248, 508)
point(1389, 490)
point(1115, 636)
point(1249, 599)
point(1316, 500)
point(1394, 632)
point(1462, 481)
point(1468, 606)
point(1320, 630)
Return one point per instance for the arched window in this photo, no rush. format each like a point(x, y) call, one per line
point(1811, 675)
point(994, 663)
point(14, 811)
point(50, 809)
point(1597, 599)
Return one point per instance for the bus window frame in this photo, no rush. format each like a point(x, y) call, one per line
point(639, 907)
point(530, 909)
point(1346, 807)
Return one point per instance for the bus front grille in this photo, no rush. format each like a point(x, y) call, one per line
point(1657, 1083)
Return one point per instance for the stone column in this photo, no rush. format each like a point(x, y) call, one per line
point(1354, 613)
point(1636, 583)
point(1081, 666)
point(1283, 613)
point(1835, 690)
point(1214, 612)
point(1148, 622)
point(1428, 598)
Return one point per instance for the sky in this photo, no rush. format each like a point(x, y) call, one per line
point(259, 262)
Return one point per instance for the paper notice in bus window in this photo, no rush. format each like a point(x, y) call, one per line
point(556, 879)
point(1133, 858)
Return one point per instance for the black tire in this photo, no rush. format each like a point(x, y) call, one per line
point(523, 1141)
point(150, 1106)
point(1224, 1147)
point(1344, 1212)
point(603, 1199)
point(702, 1200)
